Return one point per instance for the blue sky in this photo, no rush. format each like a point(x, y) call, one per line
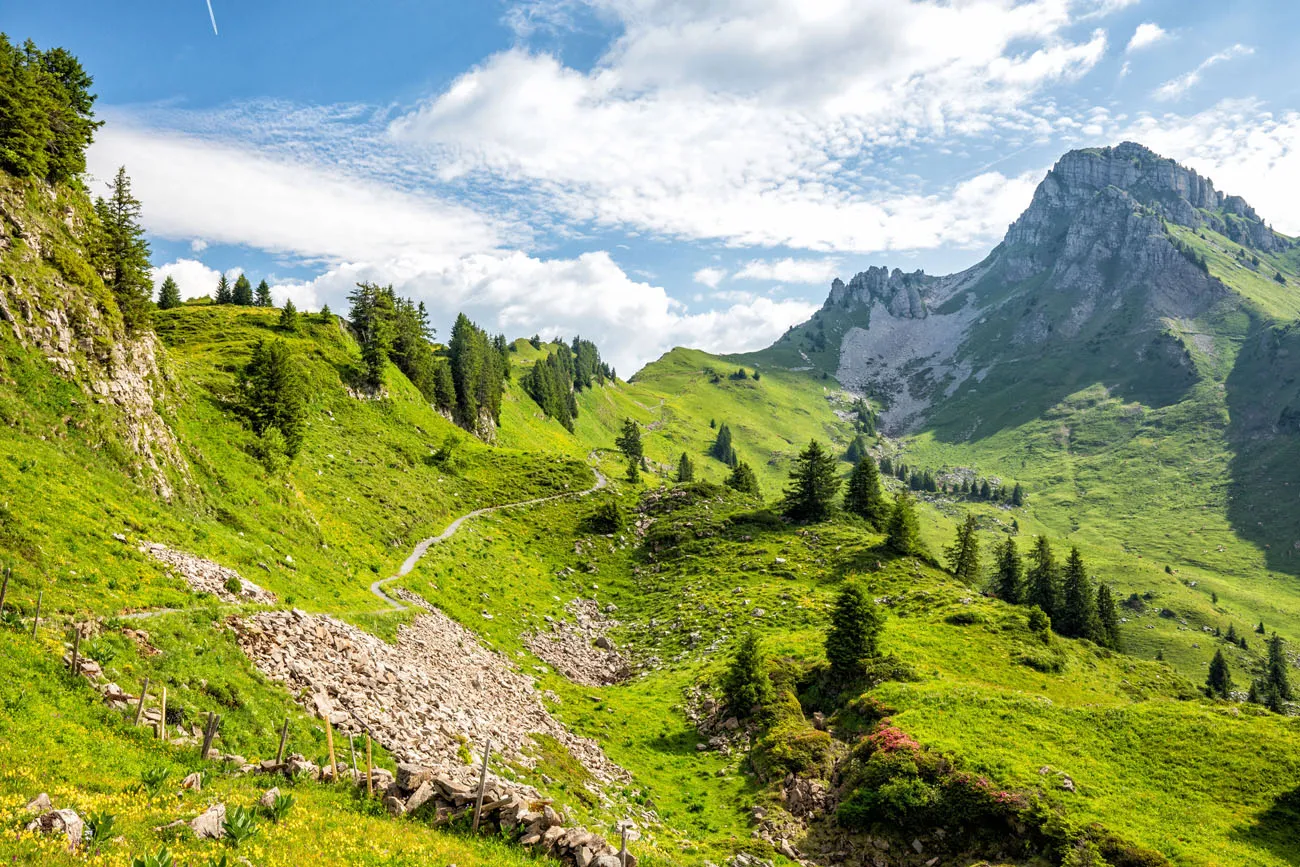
point(648, 173)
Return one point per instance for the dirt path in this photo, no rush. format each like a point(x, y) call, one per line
point(423, 547)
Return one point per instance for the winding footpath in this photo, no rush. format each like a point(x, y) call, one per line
point(423, 547)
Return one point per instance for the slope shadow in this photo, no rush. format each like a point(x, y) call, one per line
point(1275, 829)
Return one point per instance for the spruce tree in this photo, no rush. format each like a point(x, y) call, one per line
point(1042, 579)
point(263, 296)
point(289, 316)
point(1260, 628)
point(224, 294)
point(325, 314)
point(685, 468)
point(274, 394)
point(1009, 584)
point(169, 294)
point(242, 294)
point(964, 554)
point(1275, 672)
point(629, 443)
point(904, 532)
point(742, 479)
point(722, 448)
point(856, 450)
point(124, 253)
point(1232, 634)
point(444, 389)
point(854, 633)
point(1078, 617)
point(745, 685)
point(1219, 682)
point(1017, 495)
point(1108, 618)
point(813, 485)
point(863, 496)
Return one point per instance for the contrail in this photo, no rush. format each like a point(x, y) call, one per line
point(214, 19)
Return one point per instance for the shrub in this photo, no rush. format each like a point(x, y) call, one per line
point(1038, 620)
point(240, 826)
point(606, 518)
point(234, 586)
point(791, 744)
point(965, 617)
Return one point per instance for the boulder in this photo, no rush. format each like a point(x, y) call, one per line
point(411, 777)
point(40, 804)
point(268, 797)
point(425, 793)
point(210, 824)
point(65, 822)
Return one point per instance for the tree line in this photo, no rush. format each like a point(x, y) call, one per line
point(47, 118)
point(975, 489)
point(553, 381)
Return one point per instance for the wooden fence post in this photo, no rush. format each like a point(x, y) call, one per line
point(482, 784)
point(209, 732)
point(370, 767)
point(162, 721)
point(40, 597)
point(284, 736)
point(4, 589)
point(622, 851)
point(329, 742)
point(352, 748)
point(139, 708)
point(76, 647)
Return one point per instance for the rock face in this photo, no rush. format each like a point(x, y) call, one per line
point(422, 698)
point(1090, 259)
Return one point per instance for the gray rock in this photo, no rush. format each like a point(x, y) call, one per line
point(210, 824)
point(65, 822)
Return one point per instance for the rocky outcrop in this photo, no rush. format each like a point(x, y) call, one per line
point(424, 697)
point(204, 576)
point(580, 648)
point(902, 295)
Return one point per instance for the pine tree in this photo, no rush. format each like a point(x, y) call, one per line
point(1078, 617)
point(242, 294)
point(1260, 628)
point(1232, 634)
point(685, 468)
point(629, 443)
point(745, 685)
point(813, 485)
point(289, 316)
point(1042, 579)
point(224, 294)
point(854, 633)
point(964, 554)
point(742, 479)
point(1017, 495)
point(169, 294)
point(125, 252)
point(886, 466)
point(325, 314)
point(444, 389)
point(856, 450)
point(1108, 618)
point(904, 531)
point(1219, 682)
point(863, 496)
point(1275, 672)
point(722, 448)
point(274, 395)
point(263, 296)
point(1009, 584)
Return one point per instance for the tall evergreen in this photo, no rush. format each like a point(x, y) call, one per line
point(124, 253)
point(964, 554)
point(1078, 614)
point(742, 479)
point(263, 296)
point(242, 294)
point(863, 496)
point(444, 389)
point(224, 293)
point(685, 468)
point(1010, 582)
point(722, 448)
point(1042, 579)
point(274, 394)
point(1219, 682)
point(169, 294)
point(1017, 495)
point(46, 116)
point(745, 685)
point(629, 443)
point(854, 634)
point(371, 318)
point(477, 373)
point(1108, 619)
point(856, 450)
point(289, 316)
point(904, 531)
point(813, 485)
point(1275, 672)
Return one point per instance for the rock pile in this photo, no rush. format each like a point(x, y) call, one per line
point(204, 576)
point(579, 648)
point(51, 821)
point(422, 698)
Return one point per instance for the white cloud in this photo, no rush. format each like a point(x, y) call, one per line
point(803, 271)
point(193, 278)
point(710, 277)
point(1175, 88)
point(632, 321)
point(755, 122)
point(1146, 35)
point(195, 188)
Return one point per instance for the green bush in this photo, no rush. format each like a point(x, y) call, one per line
point(606, 518)
point(965, 617)
point(234, 586)
point(791, 744)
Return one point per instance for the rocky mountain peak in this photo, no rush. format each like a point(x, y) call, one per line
point(903, 294)
point(1147, 182)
